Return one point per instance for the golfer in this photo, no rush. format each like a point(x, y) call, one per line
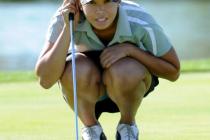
point(121, 53)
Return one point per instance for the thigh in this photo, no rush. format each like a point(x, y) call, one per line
point(134, 69)
point(127, 71)
point(94, 56)
point(87, 69)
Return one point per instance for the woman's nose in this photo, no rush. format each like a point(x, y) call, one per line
point(100, 7)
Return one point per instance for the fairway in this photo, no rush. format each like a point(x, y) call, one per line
point(174, 111)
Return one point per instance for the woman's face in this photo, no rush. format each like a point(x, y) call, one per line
point(100, 13)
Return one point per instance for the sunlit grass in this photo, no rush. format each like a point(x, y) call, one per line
point(202, 65)
point(195, 65)
point(174, 111)
point(17, 76)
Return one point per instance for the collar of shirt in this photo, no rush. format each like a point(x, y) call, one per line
point(123, 28)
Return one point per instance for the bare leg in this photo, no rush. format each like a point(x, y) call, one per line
point(89, 88)
point(127, 81)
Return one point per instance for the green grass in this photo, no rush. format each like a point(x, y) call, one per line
point(195, 65)
point(174, 111)
point(17, 76)
point(202, 65)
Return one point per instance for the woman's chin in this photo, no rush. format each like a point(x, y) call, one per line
point(101, 27)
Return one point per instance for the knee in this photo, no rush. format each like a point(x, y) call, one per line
point(87, 74)
point(124, 74)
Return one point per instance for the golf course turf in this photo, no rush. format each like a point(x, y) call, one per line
point(174, 111)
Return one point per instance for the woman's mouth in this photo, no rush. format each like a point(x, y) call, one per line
point(101, 19)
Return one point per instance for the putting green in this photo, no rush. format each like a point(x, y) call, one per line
point(174, 111)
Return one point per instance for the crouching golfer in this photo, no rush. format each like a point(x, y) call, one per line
point(121, 52)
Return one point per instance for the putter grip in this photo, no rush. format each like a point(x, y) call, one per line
point(71, 16)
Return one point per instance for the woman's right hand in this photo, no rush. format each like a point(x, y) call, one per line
point(70, 6)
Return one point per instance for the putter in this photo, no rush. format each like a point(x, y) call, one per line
point(71, 20)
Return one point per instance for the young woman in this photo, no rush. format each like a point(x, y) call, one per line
point(121, 52)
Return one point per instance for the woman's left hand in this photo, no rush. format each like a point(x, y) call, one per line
point(114, 53)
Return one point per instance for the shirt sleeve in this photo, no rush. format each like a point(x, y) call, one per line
point(155, 40)
point(55, 28)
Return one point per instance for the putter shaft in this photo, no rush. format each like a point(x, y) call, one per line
point(71, 18)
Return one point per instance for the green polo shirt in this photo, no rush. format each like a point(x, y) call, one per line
point(134, 25)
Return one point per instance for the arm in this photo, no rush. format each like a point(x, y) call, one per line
point(51, 62)
point(166, 66)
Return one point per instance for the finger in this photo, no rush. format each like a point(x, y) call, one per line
point(66, 6)
point(105, 54)
point(104, 63)
point(69, 2)
point(107, 62)
point(105, 57)
point(110, 62)
point(77, 4)
point(69, 6)
point(72, 1)
point(65, 12)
